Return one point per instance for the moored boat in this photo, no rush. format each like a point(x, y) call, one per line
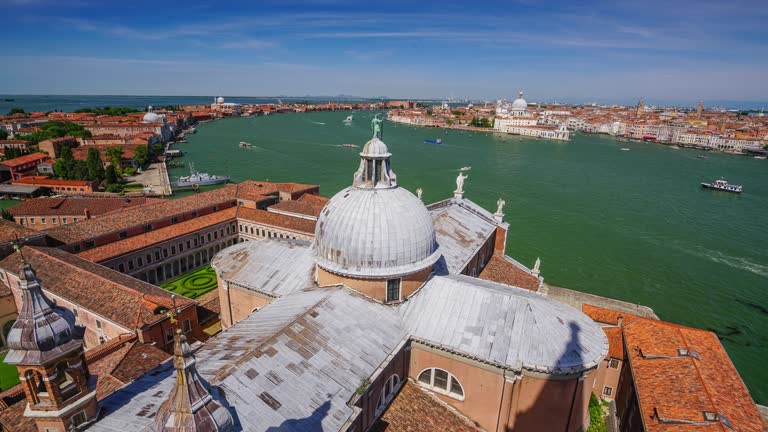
point(196, 178)
point(722, 185)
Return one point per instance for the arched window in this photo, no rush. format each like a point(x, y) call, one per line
point(440, 381)
point(387, 392)
point(36, 385)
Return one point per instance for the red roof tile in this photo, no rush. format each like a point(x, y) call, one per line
point(607, 316)
point(307, 204)
point(33, 157)
point(119, 298)
point(76, 206)
point(10, 231)
point(674, 387)
point(503, 271)
point(414, 410)
point(264, 217)
point(42, 180)
point(615, 342)
point(131, 244)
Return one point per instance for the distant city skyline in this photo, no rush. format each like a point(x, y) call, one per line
point(596, 51)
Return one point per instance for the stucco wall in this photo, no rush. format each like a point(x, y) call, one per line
point(375, 288)
point(237, 303)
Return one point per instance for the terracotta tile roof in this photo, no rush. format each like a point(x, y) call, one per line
point(12, 141)
point(503, 271)
point(257, 191)
point(615, 342)
point(43, 180)
point(77, 206)
point(305, 226)
point(682, 387)
point(10, 231)
point(119, 298)
point(136, 216)
point(141, 241)
point(414, 410)
point(607, 316)
point(307, 204)
point(33, 157)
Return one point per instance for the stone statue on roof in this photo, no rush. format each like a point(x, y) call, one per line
point(460, 182)
point(500, 206)
point(419, 191)
point(377, 127)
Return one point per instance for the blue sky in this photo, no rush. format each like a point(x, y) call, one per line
point(574, 51)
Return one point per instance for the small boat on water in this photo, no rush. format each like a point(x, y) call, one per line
point(437, 141)
point(676, 147)
point(244, 144)
point(702, 157)
point(349, 118)
point(466, 168)
point(722, 185)
point(759, 157)
point(195, 178)
point(191, 130)
point(624, 149)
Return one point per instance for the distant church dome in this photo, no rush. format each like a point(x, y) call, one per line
point(151, 116)
point(375, 229)
point(219, 100)
point(520, 103)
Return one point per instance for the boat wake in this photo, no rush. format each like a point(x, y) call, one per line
point(318, 123)
point(736, 262)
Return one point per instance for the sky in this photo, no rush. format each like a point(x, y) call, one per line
point(667, 51)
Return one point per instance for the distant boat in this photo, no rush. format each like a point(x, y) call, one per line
point(9, 100)
point(702, 157)
point(191, 130)
point(349, 118)
point(625, 149)
point(437, 141)
point(722, 185)
point(466, 168)
point(196, 179)
point(244, 144)
point(759, 157)
point(675, 147)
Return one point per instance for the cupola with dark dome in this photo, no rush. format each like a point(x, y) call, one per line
point(375, 234)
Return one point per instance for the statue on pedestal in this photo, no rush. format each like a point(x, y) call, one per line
point(377, 127)
point(460, 183)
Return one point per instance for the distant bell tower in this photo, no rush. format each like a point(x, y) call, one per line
point(699, 109)
point(51, 362)
point(639, 111)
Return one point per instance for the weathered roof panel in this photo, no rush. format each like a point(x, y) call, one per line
point(461, 228)
point(507, 326)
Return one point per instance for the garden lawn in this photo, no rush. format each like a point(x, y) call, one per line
point(193, 285)
point(9, 376)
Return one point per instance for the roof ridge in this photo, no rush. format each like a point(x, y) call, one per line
point(698, 373)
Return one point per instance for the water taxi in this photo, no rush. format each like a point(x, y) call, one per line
point(348, 119)
point(244, 144)
point(434, 142)
point(624, 149)
point(466, 168)
point(722, 185)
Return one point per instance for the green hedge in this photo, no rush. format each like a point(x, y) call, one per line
point(193, 285)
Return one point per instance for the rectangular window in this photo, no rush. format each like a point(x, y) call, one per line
point(63, 220)
point(169, 334)
point(614, 363)
point(187, 326)
point(123, 234)
point(78, 419)
point(607, 390)
point(140, 261)
point(174, 220)
point(130, 265)
point(21, 221)
point(31, 221)
point(194, 214)
point(149, 258)
point(98, 324)
point(209, 236)
point(42, 221)
point(157, 255)
point(189, 244)
point(181, 247)
point(393, 290)
point(173, 250)
point(441, 379)
point(89, 244)
point(121, 268)
point(165, 253)
point(148, 227)
point(77, 248)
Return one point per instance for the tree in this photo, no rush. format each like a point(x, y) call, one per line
point(141, 155)
point(16, 110)
point(95, 166)
point(65, 165)
point(80, 170)
point(111, 175)
point(115, 155)
point(3, 134)
point(5, 214)
point(157, 149)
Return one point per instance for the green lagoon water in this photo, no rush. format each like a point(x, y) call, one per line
point(633, 225)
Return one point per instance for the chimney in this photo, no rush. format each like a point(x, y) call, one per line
point(87, 212)
point(619, 320)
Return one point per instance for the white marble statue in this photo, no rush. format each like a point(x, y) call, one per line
point(419, 191)
point(537, 267)
point(460, 182)
point(500, 206)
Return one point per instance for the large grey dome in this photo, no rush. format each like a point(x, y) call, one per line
point(520, 103)
point(375, 233)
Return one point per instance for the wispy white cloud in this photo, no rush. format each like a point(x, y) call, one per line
point(248, 44)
